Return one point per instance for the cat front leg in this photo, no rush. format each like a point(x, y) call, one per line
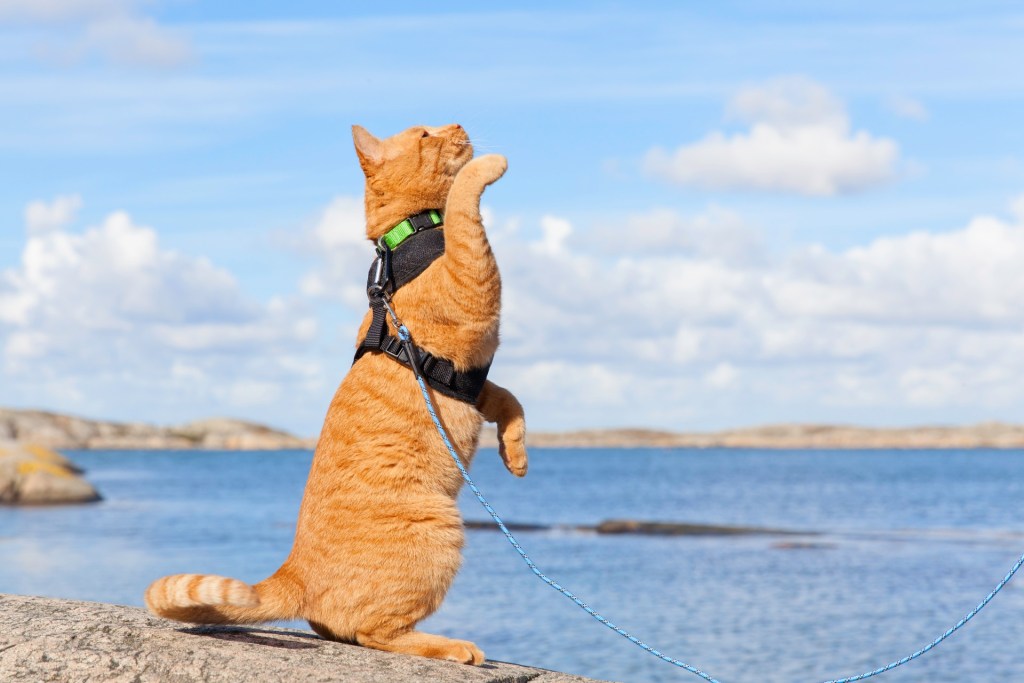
point(465, 241)
point(472, 179)
point(500, 406)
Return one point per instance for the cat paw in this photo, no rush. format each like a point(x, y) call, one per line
point(513, 454)
point(425, 645)
point(464, 652)
point(484, 170)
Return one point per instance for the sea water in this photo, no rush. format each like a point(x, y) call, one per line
point(904, 544)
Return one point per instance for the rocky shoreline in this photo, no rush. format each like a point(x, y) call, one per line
point(65, 432)
point(68, 432)
point(788, 436)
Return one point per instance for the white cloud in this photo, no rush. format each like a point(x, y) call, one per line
point(51, 11)
point(788, 104)
point(1017, 208)
point(338, 241)
point(41, 217)
point(114, 30)
point(722, 376)
point(925, 324)
point(134, 41)
point(907, 108)
point(109, 311)
point(800, 140)
point(715, 234)
point(555, 233)
point(965, 277)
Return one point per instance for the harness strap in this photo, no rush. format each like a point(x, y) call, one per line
point(376, 334)
point(440, 373)
point(413, 257)
point(421, 245)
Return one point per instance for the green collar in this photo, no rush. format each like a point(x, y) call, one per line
point(410, 226)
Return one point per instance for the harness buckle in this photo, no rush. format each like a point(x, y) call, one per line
point(427, 362)
point(377, 287)
point(395, 347)
point(421, 221)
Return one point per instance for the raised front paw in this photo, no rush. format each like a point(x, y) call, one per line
point(513, 453)
point(483, 170)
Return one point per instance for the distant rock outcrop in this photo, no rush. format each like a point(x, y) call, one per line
point(67, 432)
point(59, 640)
point(983, 435)
point(33, 475)
point(64, 431)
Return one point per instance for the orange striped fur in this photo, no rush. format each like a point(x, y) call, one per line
point(379, 535)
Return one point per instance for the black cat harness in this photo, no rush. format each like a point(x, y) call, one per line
point(404, 252)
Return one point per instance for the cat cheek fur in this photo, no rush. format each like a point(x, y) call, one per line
point(379, 534)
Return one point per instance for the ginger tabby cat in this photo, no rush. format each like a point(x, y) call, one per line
point(379, 534)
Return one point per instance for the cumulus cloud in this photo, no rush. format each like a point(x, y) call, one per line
point(926, 324)
point(338, 241)
point(800, 140)
point(114, 30)
point(680, 321)
point(110, 306)
point(555, 233)
point(715, 234)
point(41, 217)
point(1017, 208)
point(970, 276)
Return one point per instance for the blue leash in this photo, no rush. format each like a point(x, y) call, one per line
point(406, 337)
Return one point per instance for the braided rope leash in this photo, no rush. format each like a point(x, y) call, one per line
point(406, 337)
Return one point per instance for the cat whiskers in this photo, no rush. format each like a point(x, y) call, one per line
point(480, 145)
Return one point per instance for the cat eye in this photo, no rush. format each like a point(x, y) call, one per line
point(425, 134)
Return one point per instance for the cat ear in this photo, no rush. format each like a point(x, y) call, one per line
point(369, 149)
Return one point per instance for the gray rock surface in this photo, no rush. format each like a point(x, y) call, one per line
point(43, 639)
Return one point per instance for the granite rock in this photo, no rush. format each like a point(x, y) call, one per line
point(43, 639)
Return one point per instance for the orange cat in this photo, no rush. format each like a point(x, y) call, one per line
point(379, 534)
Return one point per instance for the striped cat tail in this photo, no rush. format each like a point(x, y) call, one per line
point(209, 599)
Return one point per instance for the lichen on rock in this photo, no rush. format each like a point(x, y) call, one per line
point(34, 475)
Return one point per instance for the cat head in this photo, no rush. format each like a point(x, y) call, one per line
point(409, 172)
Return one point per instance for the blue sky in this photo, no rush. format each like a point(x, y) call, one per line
point(820, 205)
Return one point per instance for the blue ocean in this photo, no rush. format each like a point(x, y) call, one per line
point(899, 546)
